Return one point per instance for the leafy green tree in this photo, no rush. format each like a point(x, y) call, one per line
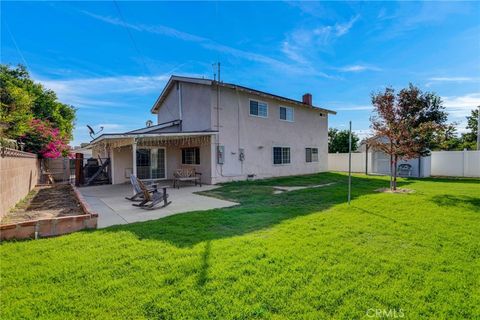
point(338, 141)
point(22, 100)
point(16, 104)
point(469, 139)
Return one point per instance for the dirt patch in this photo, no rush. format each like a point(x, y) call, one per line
point(280, 189)
point(399, 190)
point(45, 202)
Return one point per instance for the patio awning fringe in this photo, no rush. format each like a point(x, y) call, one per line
point(165, 141)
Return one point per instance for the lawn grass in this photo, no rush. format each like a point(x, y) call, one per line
point(304, 254)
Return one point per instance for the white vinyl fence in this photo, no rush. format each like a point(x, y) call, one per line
point(441, 163)
point(456, 163)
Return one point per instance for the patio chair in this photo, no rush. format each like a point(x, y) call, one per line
point(138, 196)
point(404, 170)
point(186, 174)
point(152, 198)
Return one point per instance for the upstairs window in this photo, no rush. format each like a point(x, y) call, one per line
point(311, 154)
point(191, 155)
point(286, 113)
point(281, 155)
point(258, 109)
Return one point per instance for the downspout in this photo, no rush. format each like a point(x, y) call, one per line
point(180, 111)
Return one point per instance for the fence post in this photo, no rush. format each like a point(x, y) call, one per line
point(464, 153)
point(78, 169)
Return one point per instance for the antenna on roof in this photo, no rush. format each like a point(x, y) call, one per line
point(217, 64)
point(92, 132)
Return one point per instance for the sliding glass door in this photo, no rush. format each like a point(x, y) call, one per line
point(151, 163)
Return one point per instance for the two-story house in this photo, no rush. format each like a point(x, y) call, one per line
point(226, 131)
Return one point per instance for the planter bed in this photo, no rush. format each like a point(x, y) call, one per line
point(48, 211)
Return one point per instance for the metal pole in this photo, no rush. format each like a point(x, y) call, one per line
point(478, 129)
point(349, 162)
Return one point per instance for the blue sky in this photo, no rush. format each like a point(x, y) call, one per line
point(111, 59)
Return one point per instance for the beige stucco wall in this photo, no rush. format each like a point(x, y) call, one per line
point(257, 136)
point(169, 108)
point(196, 107)
point(18, 175)
point(122, 163)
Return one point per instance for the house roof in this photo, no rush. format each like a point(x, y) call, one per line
point(173, 79)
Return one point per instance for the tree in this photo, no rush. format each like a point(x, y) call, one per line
point(25, 104)
point(469, 139)
point(22, 100)
point(404, 124)
point(338, 141)
point(45, 140)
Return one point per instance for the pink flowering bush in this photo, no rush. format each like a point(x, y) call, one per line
point(45, 140)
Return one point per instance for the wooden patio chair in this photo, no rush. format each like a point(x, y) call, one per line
point(186, 174)
point(152, 198)
point(138, 196)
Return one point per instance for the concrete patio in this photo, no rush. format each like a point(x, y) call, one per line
point(112, 207)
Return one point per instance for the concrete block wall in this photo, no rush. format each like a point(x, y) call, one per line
point(19, 173)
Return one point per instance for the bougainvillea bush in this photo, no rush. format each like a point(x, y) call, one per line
point(45, 140)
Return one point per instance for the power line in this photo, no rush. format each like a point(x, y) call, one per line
point(146, 70)
point(130, 35)
point(16, 46)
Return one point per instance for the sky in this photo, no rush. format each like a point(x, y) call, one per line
point(111, 59)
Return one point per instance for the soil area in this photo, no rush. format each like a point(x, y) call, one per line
point(45, 202)
point(399, 190)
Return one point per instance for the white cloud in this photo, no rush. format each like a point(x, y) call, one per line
point(304, 41)
point(208, 44)
point(358, 68)
point(363, 133)
point(354, 108)
point(93, 92)
point(461, 106)
point(453, 79)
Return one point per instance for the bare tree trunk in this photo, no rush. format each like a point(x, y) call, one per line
point(395, 173)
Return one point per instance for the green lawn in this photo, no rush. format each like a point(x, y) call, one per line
point(299, 255)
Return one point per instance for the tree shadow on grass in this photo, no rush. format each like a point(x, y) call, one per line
point(259, 208)
point(450, 200)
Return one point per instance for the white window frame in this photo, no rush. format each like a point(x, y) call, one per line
point(280, 114)
point(273, 156)
point(318, 158)
point(256, 115)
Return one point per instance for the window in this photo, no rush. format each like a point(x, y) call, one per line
point(191, 155)
point(281, 155)
point(286, 113)
point(258, 109)
point(151, 163)
point(311, 154)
